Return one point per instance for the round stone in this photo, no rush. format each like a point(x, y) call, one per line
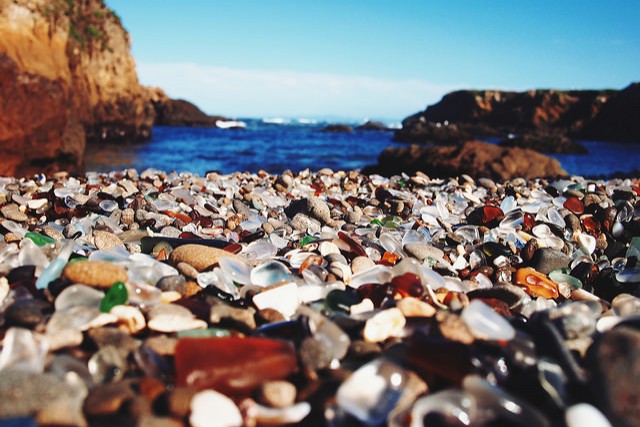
point(105, 240)
point(199, 257)
point(99, 274)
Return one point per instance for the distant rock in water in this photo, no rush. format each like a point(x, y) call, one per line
point(545, 143)
point(338, 128)
point(475, 158)
point(178, 112)
point(587, 114)
point(424, 132)
point(373, 126)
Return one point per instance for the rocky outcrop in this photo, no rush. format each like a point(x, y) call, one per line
point(371, 125)
point(475, 158)
point(556, 143)
point(178, 112)
point(66, 77)
point(588, 114)
point(337, 128)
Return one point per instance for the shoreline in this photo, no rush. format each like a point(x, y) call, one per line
point(291, 295)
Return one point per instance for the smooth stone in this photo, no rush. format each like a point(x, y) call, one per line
point(107, 399)
point(615, 367)
point(283, 298)
point(27, 312)
point(586, 242)
point(304, 223)
point(235, 369)
point(372, 391)
point(319, 210)
point(173, 318)
point(212, 409)
point(105, 240)
point(25, 393)
point(12, 212)
point(583, 414)
point(384, 324)
point(546, 260)
point(277, 394)
point(200, 257)
point(97, 274)
point(413, 307)
point(164, 345)
point(241, 316)
point(327, 248)
point(484, 323)
point(280, 416)
point(361, 264)
point(422, 251)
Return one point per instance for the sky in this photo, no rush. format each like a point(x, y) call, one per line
point(377, 59)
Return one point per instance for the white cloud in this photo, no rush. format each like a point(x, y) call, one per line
point(262, 93)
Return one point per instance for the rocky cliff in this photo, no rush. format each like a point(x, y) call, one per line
point(66, 77)
point(587, 114)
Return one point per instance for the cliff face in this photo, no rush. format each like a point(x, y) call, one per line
point(66, 76)
point(581, 113)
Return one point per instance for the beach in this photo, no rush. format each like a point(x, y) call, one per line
point(317, 298)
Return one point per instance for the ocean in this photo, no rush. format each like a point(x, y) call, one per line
point(275, 145)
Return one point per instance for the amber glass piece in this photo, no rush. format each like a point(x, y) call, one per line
point(574, 205)
point(408, 285)
point(435, 358)
point(375, 292)
point(355, 247)
point(591, 225)
point(188, 235)
point(312, 259)
point(529, 222)
point(485, 215)
point(389, 259)
point(234, 248)
point(234, 366)
point(536, 284)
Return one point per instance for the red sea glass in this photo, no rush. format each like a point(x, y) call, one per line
point(408, 285)
point(234, 366)
point(355, 247)
point(574, 205)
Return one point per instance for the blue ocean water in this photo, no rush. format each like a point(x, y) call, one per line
point(295, 145)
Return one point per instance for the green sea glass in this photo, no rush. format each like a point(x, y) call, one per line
point(116, 295)
point(39, 239)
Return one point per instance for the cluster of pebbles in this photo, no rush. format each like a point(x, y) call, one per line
point(327, 299)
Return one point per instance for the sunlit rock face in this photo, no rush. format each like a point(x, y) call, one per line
point(67, 77)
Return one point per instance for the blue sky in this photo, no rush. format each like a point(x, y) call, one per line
point(379, 59)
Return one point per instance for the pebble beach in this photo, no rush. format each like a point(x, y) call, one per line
point(328, 298)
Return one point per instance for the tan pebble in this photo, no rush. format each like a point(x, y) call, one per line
point(169, 296)
point(128, 216)
point(277, 394)
point(104, 240)
point(413, 307)
point(130, 319)
point(187, 270)
point(453, 328)
point(361, 263)
point(13, 212)
point(162, 344)
point(191, 288)
point(199, 257)
point(53, 232)
point(99, 274)
point(11, 238)
point(385, 324)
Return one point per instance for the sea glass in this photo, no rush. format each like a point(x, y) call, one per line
point(234, 366)
point(116, 295)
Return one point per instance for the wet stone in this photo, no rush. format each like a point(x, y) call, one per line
point(27, 312)
point(277, 394)
point(99, 274)
point(545, 260)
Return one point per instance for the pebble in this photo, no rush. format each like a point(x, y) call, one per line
point(212, 409)
point(98, 274)
point(13, 213)
point(277, 394)
point(338, 299)
point(105, 240)
point(199, 257)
